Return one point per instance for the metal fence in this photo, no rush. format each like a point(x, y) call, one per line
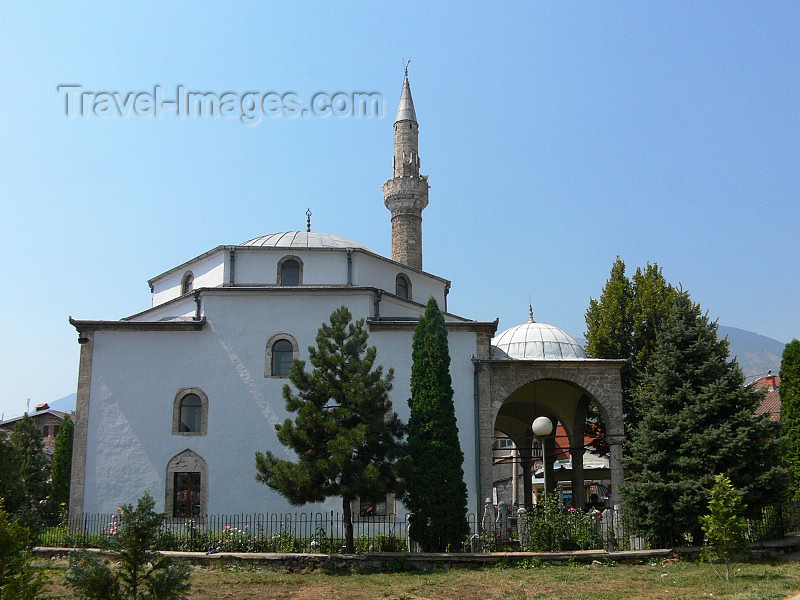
point(324, 532)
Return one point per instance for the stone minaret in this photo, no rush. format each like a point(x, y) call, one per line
point(406, 194)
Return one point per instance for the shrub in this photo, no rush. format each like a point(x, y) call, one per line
point(18, 581)
point(141, 573)
point(547, 529)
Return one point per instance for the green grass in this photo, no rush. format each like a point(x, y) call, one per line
point(676, 580)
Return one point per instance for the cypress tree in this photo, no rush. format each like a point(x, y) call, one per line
point(436, 494)
point(33, 469)
point(345, 434)
point(697, 421)
point(790, 409)
point(11, 491)
point(61, 466)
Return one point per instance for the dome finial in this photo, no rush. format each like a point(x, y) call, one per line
point(308, 221)
point(530, 308)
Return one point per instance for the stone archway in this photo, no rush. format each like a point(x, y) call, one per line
point(512, 393)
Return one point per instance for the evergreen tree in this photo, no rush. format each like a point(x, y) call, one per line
point(650, 306)
point(790, 409)
point(33, 469)
point(141, 572)
point(436, 494)
point(61, 466)
point(345, 434)
point(11, 490)
point(697, 420)
point(18, 580)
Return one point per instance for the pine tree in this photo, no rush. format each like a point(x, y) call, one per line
point(33, 469)
point(790, 409)
point(697, 420)
point(61, 466)
point(436, 494)
point(724, 525)
point(650, 306)
point(345, 434)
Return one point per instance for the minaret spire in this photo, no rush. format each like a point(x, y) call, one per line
point(406, 194)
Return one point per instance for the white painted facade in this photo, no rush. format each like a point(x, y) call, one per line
point(136, 374)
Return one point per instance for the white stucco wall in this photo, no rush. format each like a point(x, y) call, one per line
point(373, 271)
point(321, 266)
point(208, 271)
point(136, 375)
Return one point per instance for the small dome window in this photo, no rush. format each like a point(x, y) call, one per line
point(290, 271)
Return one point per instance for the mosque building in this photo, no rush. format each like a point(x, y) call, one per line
point(178, 398)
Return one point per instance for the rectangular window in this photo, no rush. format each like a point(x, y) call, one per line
point(186, 495)
point(372, 507)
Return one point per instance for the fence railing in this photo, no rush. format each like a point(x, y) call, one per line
point(323, 532)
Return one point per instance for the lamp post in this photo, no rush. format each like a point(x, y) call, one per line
point(542, 427)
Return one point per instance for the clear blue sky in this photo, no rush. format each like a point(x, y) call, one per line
point(556, 136)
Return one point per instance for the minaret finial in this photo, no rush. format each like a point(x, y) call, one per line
point(308, 221)
point(405, 66)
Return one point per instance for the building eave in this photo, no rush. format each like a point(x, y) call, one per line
point(83, 326)
point(410, 323)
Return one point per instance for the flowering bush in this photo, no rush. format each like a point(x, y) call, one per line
point(547, 529)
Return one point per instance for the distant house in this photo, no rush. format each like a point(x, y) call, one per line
point(771, 404)
point(47, 420)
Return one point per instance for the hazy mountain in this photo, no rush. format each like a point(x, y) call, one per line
point(755, 353)
point(65, 404)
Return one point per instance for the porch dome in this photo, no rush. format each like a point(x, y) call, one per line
point(535, 341)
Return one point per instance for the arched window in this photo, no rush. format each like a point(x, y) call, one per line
point(190, 412)
point(403, 286)
point(282, 356)
point(186, 486)
point(187, 283)
point(290, 271)
point(282, 349)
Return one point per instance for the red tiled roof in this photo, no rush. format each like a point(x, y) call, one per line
point(771, 405)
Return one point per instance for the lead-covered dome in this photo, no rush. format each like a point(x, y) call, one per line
point(303, 239)
point(536, 341)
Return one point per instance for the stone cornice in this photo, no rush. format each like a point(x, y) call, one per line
point(409, 324)
point(188, 325)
